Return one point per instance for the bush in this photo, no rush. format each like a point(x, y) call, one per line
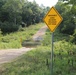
point(67, 27)
point(73, 37)
point(8, 27)
point(0, 35)
point(0, 32)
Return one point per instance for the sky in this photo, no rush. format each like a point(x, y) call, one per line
point(49, 3)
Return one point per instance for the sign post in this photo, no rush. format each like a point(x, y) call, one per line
point(52, 53)
point(52, 20)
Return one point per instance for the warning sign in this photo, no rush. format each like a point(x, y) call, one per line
point(52, 19)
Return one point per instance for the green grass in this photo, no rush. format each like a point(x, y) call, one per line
point(31, 63)
point(14, 40)
point(37, 61)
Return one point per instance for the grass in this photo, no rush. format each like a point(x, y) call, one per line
point(14, 40)
point(31, 63)
point(37, 61)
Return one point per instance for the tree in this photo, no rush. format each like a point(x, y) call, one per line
point(32, 13)
point(13, 8)
point(19, 12)
point(10, 15)
point(73, 38)
point(2, 2)
point(68, 24)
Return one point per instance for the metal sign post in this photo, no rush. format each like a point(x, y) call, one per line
point(52, 39)
point(52, 20)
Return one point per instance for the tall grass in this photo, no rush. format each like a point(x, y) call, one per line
point(14, 40)
point(38, 61)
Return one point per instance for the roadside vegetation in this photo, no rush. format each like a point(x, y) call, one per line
point(67, 8)
point(37, 61)
point(19, 13)
point(18, 20)
point(15, 39)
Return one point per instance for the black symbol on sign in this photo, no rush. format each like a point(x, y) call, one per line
point(52, 21)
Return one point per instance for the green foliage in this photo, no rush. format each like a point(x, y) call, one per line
point(68, 24)
point(32, 13)
point(0, 35)
point(16, 12)
point(8, 27)
point(37, 61)
point(46, 41)
point(15, 39)
point(73, 37)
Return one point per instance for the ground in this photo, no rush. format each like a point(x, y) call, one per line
point(10, 54)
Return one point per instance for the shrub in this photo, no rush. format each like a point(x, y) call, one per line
point(73, 37)
point(0, 35)
point(67, 27)
point(8, 27)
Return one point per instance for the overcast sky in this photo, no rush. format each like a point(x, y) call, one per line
point(49, 3)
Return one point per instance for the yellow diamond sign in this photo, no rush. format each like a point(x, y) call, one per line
point(52, 19)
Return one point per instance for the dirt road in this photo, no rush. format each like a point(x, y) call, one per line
point(10, 54)
point(39, 35)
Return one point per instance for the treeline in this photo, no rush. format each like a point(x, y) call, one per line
point(67, 8)
point(16, 13)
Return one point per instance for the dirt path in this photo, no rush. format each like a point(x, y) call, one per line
point(10, 54)
point(39, 35)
